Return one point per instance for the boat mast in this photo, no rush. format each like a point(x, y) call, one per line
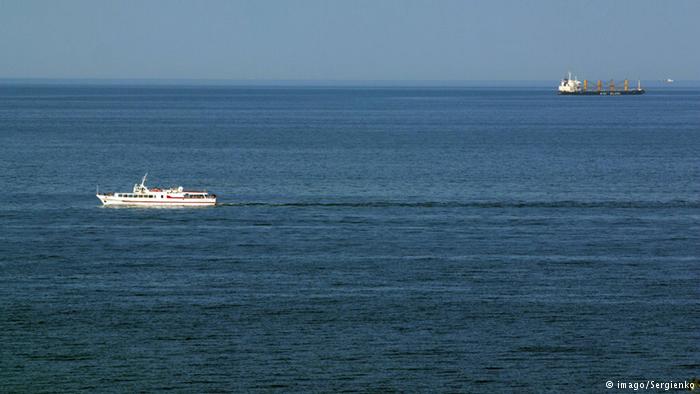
point(142, 187)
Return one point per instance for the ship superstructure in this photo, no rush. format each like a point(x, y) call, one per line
point(572, 86)
point(141, 195)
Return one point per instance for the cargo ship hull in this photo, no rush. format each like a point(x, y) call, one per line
point(604, 93)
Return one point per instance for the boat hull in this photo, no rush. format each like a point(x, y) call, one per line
point(604, 93)
point(166, 202)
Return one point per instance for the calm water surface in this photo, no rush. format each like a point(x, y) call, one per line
point(476, 240)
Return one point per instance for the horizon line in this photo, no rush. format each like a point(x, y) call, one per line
point(312, 82)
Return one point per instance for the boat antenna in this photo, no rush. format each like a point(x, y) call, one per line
point(143, 181)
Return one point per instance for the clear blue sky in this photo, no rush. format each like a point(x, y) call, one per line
point(349, 40)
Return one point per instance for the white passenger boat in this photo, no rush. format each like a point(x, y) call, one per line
point(157, 197)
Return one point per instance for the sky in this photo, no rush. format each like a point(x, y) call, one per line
point(350, 40)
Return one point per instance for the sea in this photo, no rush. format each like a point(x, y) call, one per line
point(366, 238)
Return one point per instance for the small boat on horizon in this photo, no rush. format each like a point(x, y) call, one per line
point(143, 196)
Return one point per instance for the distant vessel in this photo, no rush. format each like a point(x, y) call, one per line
point(157, 197)
point(669, 80)
point(572, 86)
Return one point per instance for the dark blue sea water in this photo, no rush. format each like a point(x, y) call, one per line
point(403, 239)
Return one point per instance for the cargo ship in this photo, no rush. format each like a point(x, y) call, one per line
point(572, 86)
